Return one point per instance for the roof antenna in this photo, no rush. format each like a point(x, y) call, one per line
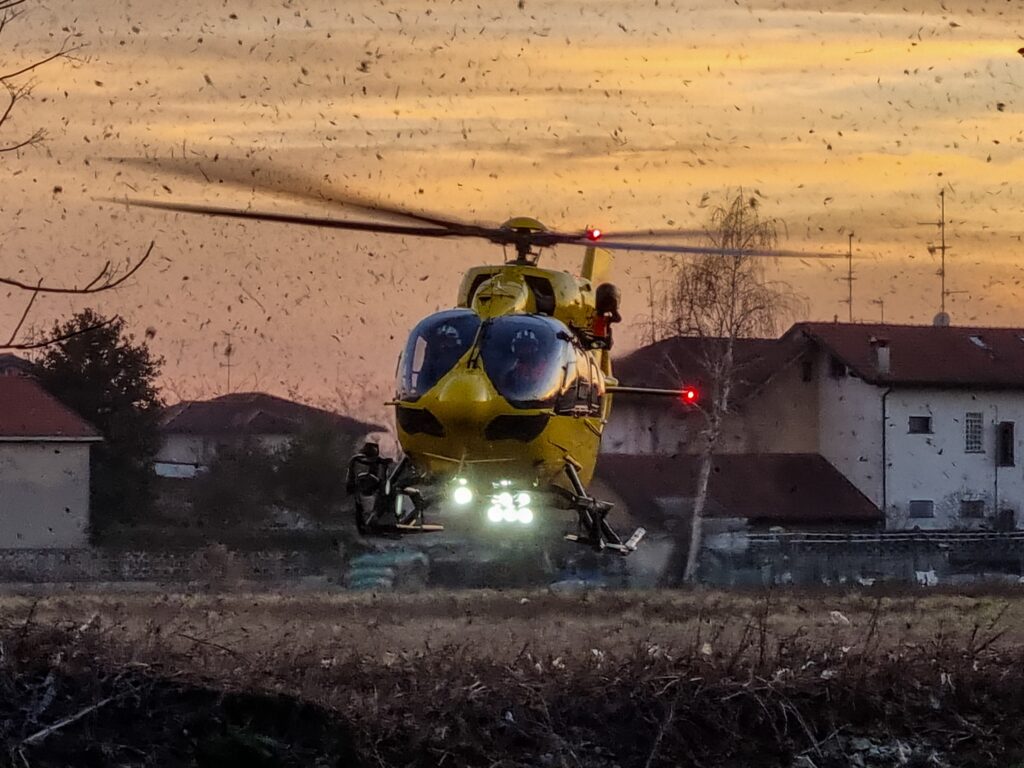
point(849, 277)
point(941, 319)
point(881, 308)
point(229, 350)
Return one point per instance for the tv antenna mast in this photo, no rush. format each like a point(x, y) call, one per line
point(849, 277)
point(229, 350)
point(941, 248)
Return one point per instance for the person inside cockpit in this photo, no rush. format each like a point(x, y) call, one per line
point(443, 351)
point(529, 369)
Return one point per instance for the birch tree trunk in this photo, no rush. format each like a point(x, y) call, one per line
point(697, 525)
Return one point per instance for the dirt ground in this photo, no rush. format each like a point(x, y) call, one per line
point(514, 678)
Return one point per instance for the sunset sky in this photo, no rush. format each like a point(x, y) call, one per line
point(843, 116)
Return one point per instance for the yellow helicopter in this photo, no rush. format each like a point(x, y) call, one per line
point(500, 401)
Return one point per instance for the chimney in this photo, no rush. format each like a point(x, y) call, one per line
point(881, 347)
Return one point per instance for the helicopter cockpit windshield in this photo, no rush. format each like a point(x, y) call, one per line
point(435, 345)
point(525, 357)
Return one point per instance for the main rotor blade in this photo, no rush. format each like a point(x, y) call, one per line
point(288, 183)
point(283, 218)
point(682, 234)
point(706, 250)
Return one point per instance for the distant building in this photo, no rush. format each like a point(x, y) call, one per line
point(12, 365)
point(769, 400)
point(44, 469)
point(194, 431)
point(921, 420)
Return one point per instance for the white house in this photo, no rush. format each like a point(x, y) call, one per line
point(194, 431)
point(44, 469)
point(921, 420)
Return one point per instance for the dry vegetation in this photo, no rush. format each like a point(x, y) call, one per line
point(513, 679)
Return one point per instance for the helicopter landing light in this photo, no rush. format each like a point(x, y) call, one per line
point(462, 495)
point(510, 507)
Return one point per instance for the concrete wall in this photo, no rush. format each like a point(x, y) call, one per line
point(44, 494)
point(936, 467)
point(650, 426)
point(850, 428)
point(781, 418)
point(211, 563)
point(926, 559)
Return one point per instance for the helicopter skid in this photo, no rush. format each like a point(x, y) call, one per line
point(401, 529)
point(593, 529)
point(625, 548)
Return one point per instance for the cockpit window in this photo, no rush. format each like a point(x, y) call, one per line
point(435, 345)
point(525, 356)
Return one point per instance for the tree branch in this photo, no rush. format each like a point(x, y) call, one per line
point(21, 322)
point(62, 337)
point(64, 52)
point(97, 285)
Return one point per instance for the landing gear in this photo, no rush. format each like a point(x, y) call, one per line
point(385, 501)
point(592, 529)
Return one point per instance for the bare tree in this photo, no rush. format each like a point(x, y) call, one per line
point(719, 298)
point(18, 84)
point(14, 81)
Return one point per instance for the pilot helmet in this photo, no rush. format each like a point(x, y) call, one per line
point(447, 335)
point(525, 343)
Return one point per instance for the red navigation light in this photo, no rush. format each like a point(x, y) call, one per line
point(690, 395)
point(594, 234)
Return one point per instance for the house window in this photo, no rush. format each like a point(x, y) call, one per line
point(972, 508)
point(1004, 444)
point(836, 368)
point(806, 369)
point(919, 425)
point(973, 429)
point(922, 508)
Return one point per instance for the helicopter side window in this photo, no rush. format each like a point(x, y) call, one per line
point(543, 294)
point(567, 396)
point(585, 387)
point(435, 345)
point(597, 389)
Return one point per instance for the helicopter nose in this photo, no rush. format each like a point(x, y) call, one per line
point(465, 396)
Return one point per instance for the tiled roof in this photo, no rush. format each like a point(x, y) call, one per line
point(28, 411)
point(774, 488)
point(10, 363)
point(673, 363)
point(925, 355)
point(254, 413)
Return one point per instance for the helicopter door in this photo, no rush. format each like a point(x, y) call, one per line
point(586, 391)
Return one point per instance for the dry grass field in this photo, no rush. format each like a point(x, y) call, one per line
point(514, 679)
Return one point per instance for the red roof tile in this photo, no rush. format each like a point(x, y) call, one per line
point(27, 411)
point(254, 413)
point(925, 355)
point(773, 488)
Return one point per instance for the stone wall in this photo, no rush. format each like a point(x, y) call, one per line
point(919, 557)
point(214, 563)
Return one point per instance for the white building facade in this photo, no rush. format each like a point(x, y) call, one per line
point(44, 469)
point(924, 421)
